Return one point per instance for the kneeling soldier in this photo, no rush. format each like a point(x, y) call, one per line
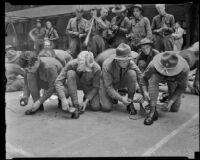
point(173, 69)
point(41, 73)
point(82, 73)
point(119, 71)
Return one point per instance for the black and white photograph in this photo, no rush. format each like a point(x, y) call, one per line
point(101, 80)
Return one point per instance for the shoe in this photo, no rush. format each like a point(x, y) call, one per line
point(151, 118)
point(59, 104)
point(114, 101)
point(131, 109)
point(164, 97)
point(75, 114)
point(31, 112)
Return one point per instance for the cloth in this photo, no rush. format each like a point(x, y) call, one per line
point(86, 78)
point(152, 78)
point(178, 39)
point(111, 76)
point(140, 29)
point(43, 78)
point(163, 41)
point(121, 37)
point(143, 60)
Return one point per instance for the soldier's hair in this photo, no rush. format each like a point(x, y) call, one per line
point(158, 5)
point(27, 59)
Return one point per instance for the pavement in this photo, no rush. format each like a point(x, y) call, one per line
point(97, 134)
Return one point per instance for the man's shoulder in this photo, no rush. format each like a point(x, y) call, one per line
point(155, 51)
point(156, 17)
point(49, 62)
point(146, 19)
point(107, 64)
point(169, 15)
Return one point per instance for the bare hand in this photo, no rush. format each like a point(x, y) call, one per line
point(76, 33)
point(65, 105)
point(167, 107)
point(35, 105)
point(126, 101)
point(24, 101)
point(83, 105)
point(146, 96)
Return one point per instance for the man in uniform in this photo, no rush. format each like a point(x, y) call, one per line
point(119, 71)
point(162, 28)
point(120, 25)
point(140, 27)
point(76, 28)
point(96, 44)
point(171, 68)
point(37, 36)
point(41, 73)
point(146, 54)
point(82, 73)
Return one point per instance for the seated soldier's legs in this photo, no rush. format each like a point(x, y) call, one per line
point(171, 89)
point(95, 103)
point(142, 65)
point(105, 100)
point(74, 47)
point(158, 43)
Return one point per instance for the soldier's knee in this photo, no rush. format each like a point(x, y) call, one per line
point(106, 108)
point(175, 107)
point(95, 108)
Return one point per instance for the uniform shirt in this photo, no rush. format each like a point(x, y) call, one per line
point(91, 79)
point(48, 71)
point(12, 71)
point(158, 22)
point(51, 33)
point(39, 33)
point(140, 28)
point(178, 33)
point(124, 24)
point(180, 79)
point(112, 75)
point(147, 58)
point(77, 25)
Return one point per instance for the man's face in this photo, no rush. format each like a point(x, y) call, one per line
point(146, 49)
point(33, 68)
point(79, 14)
point(177, 25)
point(136, 12)
point(161, 9)
point(123, 63)
point(104, 13)
point(48, 24)
point(38, 24)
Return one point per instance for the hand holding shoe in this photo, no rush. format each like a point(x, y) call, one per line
point(24, 101)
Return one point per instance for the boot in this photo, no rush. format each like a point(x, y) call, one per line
point(152, 116)
point(131, 109)
point(30, 112)
point(75, 114)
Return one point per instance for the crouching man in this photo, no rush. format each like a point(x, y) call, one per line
point(82, 73)
point(41, 73)
point(171, 68)
point(119, 71)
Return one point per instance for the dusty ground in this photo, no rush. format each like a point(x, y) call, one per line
point(96, 134)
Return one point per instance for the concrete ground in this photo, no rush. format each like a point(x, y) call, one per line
point(96, 134)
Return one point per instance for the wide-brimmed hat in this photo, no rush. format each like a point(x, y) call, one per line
point(169, 63)
point(145, 41)
point(12, 55)
point(123, 52)
point(118, 8)
point(138, 6)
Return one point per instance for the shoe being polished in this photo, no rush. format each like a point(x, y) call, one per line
point(30, 112)
point(151, 118)
point(131, 109)
point(75, 114)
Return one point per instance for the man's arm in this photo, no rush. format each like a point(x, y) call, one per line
point(148, 28)
point(56, 35)
point(108, 80)
point(31, 34)
point(127, 26)
point(69, 28)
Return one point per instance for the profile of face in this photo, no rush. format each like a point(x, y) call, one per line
point(79, 14)
point(136, 12)
point(177, 25)
point(161, 9)
point(33, 68)
point(146, 49)
point(123, 63)
point(48, 24)
point(38, 24)
point(104, 13)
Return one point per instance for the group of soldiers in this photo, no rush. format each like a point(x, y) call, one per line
point(107, 60)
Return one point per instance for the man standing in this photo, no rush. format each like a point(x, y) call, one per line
point(37, 36)
point(178, 37)
point(120, 25)
point(41, 74)
point(119, 72)
point(146, 55)
point(96, 44)
point(140, 27)
point(162, 28)
point(171, 68)
point(76, 28)
point(82, 73)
